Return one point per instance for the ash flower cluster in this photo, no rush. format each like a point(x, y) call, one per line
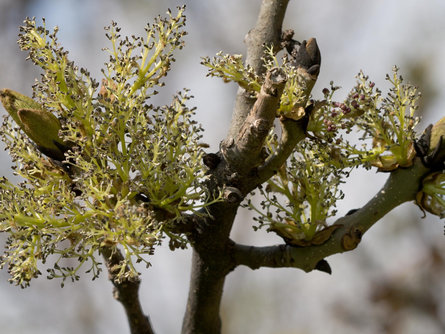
point(126, 170)
point(300, 198)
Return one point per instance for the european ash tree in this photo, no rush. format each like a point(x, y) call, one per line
point(108, 176)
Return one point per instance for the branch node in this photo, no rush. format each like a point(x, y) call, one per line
point(351, 239)
point(232, 195)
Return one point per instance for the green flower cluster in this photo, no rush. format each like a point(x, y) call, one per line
point(116, 170)
point(302, 196)
point(300, 199)
point(389, 121)
point(296, 91)
point(231, 68)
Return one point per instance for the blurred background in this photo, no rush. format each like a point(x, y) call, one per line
point(393, 282)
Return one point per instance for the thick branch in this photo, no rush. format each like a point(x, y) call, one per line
point(210, 265)
point(247, 146)
point(401, 186)
point(245, 151)
point(267, 31)
point(202, 313)
point(212, 256)
point(126, 291)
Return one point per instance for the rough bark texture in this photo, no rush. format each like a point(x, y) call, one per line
point(210, 264)
point(245, 151)
point(241, 166)
point(267, 31)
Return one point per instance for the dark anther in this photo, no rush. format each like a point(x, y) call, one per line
point(142, 198)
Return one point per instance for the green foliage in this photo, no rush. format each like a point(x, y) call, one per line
point(231, 68)
point(132, 169)
point(297, 89)
point(389, 121)
point(102, 167)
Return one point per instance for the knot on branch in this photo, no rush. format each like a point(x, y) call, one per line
point(232, 195)
point(274, 82)
point(351, 239)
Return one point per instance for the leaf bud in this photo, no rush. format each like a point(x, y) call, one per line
point(40, 125)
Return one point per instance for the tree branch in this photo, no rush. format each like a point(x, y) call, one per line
point(245, 151)
point(401, 186)
point(291, 133)
point(126, 292)
point(267, 31)
point(206, 286)
point(210, 264)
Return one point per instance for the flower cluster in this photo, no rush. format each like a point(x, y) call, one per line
point(389, 121)
point(303, 195)
point(121, 172)
point(296, 91)
point(231, 68)
point(300, 198)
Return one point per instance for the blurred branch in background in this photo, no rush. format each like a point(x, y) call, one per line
point(407, 299)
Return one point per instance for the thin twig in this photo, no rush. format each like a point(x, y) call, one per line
point(401, 186)
point(126, 292)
